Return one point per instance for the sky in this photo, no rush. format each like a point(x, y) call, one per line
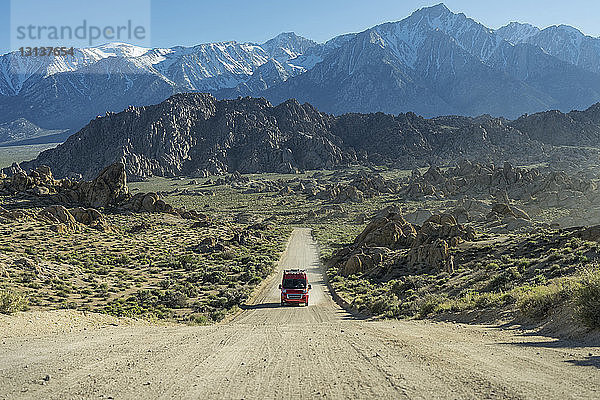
point(188, 22)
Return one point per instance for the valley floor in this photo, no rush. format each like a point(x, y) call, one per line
point(268, 351)
point(17, 154)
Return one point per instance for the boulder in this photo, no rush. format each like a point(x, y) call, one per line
point(86, 216)
point(434, 254)
point(502, 210)
point(40, 191)
point(354, 265)
point(20, 182)
point(58, 214)
point(109, 188)
point(391, 231)
point(452, 232)
point(149, 202)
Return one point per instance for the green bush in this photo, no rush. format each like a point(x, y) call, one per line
point(537, 301)
point(11, 302)
point(188, 262)
point(429, 305)
point(587, 299)
point(199, 319)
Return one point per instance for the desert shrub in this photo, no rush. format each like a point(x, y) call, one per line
point(230, 297)
point(472, 300)
point(216, 276)
point(537, 301)
point(226, 255)
point(188, 262)
point(387, 305)
point(429, 304)
point(174, 299)
point(504, 280)
point(587, 299)
point(218, 315)
point(11, 302)
point(198, 319)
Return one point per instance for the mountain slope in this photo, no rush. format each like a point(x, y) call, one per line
point(58, 92)
point(563, 42)
point(436, 62)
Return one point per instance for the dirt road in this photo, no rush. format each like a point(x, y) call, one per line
point(272, 352)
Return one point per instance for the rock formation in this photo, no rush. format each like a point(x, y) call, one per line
point(107, 190)
point(427, 246)
point(196, 135)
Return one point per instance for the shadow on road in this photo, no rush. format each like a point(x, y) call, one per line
point(260, 306)
point(552, 344)
point(590, 361)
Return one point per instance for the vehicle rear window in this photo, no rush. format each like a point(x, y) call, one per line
point(292, 283)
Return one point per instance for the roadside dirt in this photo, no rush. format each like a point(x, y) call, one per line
point(268, 351)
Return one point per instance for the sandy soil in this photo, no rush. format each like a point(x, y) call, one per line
point(268, 351)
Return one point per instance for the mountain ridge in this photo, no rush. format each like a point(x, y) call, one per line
point(198, 135)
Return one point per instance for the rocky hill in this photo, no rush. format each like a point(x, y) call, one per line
point(194, 134)
point(577, 128)
point(197, 135)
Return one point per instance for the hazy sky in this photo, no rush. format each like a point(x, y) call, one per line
point(189, 22)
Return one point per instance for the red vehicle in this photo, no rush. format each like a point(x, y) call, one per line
point(294, 287)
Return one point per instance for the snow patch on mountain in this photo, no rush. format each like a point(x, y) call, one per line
point(516, 32)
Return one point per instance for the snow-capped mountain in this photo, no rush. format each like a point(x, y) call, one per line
point(66, 92)
point(436, 62)
point(563, 42)
point(433, 62)
point(287, 46)
point(516, 32)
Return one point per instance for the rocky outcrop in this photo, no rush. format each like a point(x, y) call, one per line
point(39, 181)
point(63, 220)
point(500, 211)
point(365, 260)
point(389, 230)
point(467, 179)
point(108, 188)
point(7, 216)
point(361, 186)
point(437, 235)
point(389, 233)
point(576, 128)
point(91, 218)
point(196, 135)
point(59, 217)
